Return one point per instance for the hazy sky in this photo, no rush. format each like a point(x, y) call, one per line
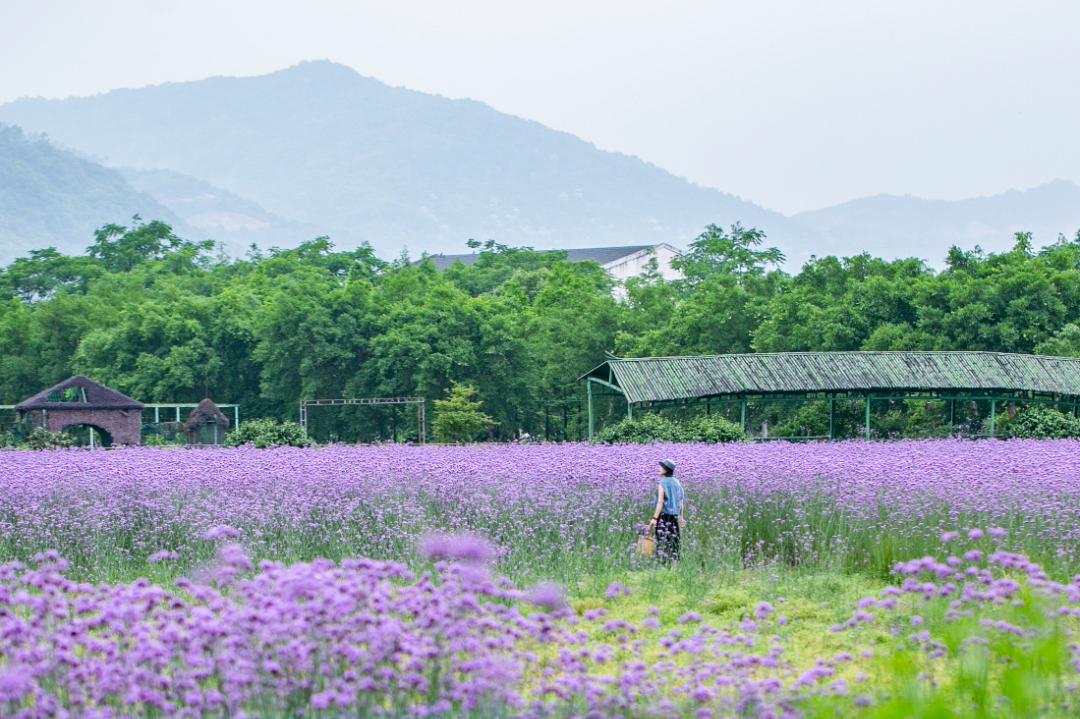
point(792, 104)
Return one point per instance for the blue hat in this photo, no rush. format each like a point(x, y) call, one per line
point(668, 465)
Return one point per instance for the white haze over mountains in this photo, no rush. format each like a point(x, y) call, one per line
point(320, 144)
point(890, 226)
point(320, 149)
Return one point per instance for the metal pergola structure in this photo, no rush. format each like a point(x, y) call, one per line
point(158, 406)
point(10, 408)
point(864, 377)
point(341, 402)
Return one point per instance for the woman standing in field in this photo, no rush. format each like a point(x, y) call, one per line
point(667, 516)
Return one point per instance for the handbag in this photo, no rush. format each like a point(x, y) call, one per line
point(646, 543)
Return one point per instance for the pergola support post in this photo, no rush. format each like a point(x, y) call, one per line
point(743, 415)
point(421, 420)
point(868, 415)
point(832, 419)
point(588, 391)
point(993, 411)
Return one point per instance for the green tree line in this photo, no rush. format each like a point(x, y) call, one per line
point(165, 319)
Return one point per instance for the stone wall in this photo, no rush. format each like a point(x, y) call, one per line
point(123, 424)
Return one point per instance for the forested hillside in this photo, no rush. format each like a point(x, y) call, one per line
point(50, 197)
point(164, 319)
point(215, 212)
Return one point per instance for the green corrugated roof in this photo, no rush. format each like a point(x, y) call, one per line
point(657, 379)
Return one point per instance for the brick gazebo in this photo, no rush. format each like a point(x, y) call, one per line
point(82, 401)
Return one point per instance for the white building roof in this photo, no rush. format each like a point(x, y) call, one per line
point(607, 257)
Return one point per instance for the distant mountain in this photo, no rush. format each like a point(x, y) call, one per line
point(220, 214)
point(323, 145)
point(51, 198)
point(893, 226)
point(319, 149)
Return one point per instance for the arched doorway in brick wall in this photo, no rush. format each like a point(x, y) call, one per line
point(88, 435)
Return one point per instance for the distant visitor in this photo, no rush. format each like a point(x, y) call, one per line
point(667, 517)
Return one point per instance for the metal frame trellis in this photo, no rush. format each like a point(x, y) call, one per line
point(344, 401)
point(176, 407)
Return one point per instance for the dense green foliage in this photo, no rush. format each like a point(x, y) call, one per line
point(712, 429)
point(267, 432)
point(39, 438)
point(1042, 422)
point(643, 428)
point(167, 320)
point(42, 438)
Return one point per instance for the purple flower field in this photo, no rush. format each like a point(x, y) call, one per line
point(552, 511)
point(369, 639)
point(384, 581)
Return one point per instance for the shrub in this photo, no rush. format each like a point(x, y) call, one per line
point(159, 440)
point(713, 429)
point(42, 438)
point(644, 428)
point(458, 418)
point(268, 433)
point(1040, 422)
point(647, 427)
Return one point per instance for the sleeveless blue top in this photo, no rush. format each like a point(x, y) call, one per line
point(673, 495)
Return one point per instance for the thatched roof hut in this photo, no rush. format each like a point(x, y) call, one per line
point(206, 413)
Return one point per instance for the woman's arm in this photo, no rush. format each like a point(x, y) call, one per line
point(659, 505)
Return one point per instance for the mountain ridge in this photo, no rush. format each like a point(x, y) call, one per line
point(318, 148)
point(322, 144)
point(234, 221)
point(927, 228)
point(50, 197)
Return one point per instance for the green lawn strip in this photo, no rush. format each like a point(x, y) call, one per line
point(809, 604)
point(1022, 678)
